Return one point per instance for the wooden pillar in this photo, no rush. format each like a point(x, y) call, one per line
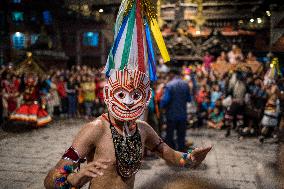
point(103, 49)
point(78, 48)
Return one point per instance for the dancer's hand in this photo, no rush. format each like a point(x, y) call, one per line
point(94, 169)
point(91, 170)
point(198, 155)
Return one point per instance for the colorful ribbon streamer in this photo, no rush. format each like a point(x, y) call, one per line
point(159, 40)
point(133, 44)
point(151, 54)
point(139, 25)
point(128, 40)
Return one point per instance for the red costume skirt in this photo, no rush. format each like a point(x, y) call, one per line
point(12, 105)
point(31, 114)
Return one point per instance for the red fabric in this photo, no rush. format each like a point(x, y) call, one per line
point(207, 61)
point(100, 87)
point(17, 84)
point(11, 89)
point(33, 109)
point(31, 113)
point(42, 113)
point(200, 96)
point(12, 104)
point(61, 89)
point(71, 154)
point(140, 41)
point(31, 93)
point(24, 109)
point(159, 93)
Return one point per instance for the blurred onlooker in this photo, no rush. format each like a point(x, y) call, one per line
point(61, 87)
point(174, 101)
point(235, 55)
point(207, 61)
point(10, 87)
point(1, 109)
point(100, 96)
point(235, 112)
point(89, 95)
point(269, 122)
point(152, 117)
point(53, 105)
point(203, 111)
point(201, 95)
point(216, 94)
point(250, 58)
point(80, 97)
point(216, 119)
point(72, 97)
point(223, 83)
point(222, 58)
point(255, 101)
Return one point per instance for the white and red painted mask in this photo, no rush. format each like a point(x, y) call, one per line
point(127, 94)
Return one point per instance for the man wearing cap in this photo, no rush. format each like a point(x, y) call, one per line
point(174, 101)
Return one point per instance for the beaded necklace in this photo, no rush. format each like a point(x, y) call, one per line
point(128, 152)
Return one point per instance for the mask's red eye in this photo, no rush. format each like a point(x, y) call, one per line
point(121, 95)
point(136, 96)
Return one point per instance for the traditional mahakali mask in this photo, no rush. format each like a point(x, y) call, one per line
point(127, 94)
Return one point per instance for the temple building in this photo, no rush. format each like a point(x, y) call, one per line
point(55, 33)
point(193, 27)
point(80, 31)
point(31, 29)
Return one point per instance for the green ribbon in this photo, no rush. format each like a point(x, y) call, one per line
point(128, 39)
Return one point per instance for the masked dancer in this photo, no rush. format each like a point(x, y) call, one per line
point(114, 143)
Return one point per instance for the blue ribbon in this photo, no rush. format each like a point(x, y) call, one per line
point(151, 54)
point(119, 35)
point(116, 42)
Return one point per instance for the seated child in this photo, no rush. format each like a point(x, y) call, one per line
point(216, 119)
point(215, 95)
point(203, 111)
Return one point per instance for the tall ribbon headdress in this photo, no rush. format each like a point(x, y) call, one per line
point(133, 49)
point(274, 71)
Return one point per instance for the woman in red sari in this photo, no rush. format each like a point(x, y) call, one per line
point(31, 112)
point(10, 92)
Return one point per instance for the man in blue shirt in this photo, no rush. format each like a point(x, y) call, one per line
point(174, 101)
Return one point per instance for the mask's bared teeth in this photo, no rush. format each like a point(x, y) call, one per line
point(126, 114)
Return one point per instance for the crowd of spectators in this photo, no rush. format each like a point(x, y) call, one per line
point(67, 93)
point(240, 100)
point(251, 103)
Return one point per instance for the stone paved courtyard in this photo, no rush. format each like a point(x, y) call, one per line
point(25, 159)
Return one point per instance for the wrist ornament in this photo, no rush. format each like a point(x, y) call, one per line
point(61, 177)
point(185, 159)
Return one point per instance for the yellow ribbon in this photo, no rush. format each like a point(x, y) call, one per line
point(159, 40)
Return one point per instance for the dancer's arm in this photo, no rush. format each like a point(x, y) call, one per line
point(156, 144)
point(84, 143)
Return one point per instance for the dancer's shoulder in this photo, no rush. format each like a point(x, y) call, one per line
point(96, 126)
point(143, 125)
